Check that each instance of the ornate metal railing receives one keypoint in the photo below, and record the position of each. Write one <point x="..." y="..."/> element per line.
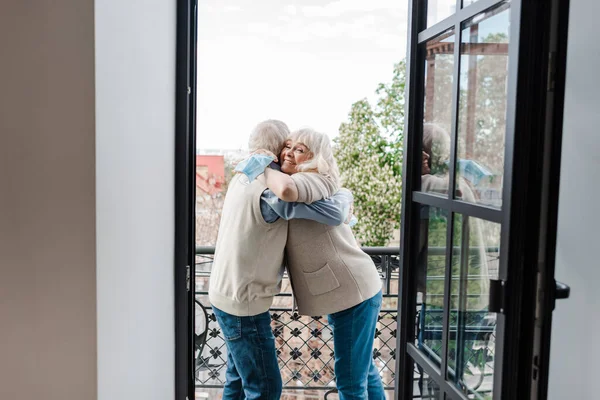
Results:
<point x="305" y="344"/>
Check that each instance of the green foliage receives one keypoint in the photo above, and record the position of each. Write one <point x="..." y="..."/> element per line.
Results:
<point x="498" y="37"/>
<point x="369" y="154"/>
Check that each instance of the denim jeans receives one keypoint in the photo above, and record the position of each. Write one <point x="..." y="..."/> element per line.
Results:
<point x="252" y="369"/>
<point x="357" y="376"/>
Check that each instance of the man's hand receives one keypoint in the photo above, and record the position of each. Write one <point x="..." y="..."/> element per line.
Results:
<point x="255" y="164"/>
<point x="350" y="214"/>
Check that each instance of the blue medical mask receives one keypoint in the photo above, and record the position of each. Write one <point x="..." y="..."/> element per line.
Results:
<point x="254" y="165"/>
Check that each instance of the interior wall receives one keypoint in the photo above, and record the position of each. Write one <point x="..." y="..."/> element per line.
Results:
<point x="575" y="348"/>
<point x="135" y="149"/>
<point x="47" y="201"/>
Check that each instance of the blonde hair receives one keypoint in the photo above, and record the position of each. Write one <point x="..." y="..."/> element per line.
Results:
<point x="269" y="135"/>
<point x="319" y="146"/>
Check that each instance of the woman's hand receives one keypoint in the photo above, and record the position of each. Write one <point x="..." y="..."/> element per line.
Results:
<point x="265" y="152"/>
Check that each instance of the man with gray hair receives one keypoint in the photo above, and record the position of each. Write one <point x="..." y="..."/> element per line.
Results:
<point x="248" y="268"/>
<point x="269" y="135"/>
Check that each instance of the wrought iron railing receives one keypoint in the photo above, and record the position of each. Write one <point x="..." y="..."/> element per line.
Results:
<point x="305" y="344"/>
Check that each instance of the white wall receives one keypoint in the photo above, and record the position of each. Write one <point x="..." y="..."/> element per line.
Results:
<point x="135" y="108"/>
<point x="47" y="212"/>
<point x="575" y="353"/>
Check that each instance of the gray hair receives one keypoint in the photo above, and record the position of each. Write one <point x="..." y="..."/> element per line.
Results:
<point x="269" y="135"/>
<point x="436" y="143"/>
<point x="319" y="146"/>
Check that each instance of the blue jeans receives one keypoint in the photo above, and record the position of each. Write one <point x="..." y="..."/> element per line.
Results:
<point x="357" y="377"/>
<point x="252" y="369"/>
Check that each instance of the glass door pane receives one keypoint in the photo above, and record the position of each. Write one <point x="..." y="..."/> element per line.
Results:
<point x="482" y="107"/>
<point x="472" y="330"/>
<point x="431" y="270"/>
<point x="437" y="113"/>
<point x="438" y="10"/>
<point x="424" y="386"/>
<point x="466" y="3"/>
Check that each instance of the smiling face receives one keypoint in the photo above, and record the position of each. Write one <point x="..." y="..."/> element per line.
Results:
<point x="292" y="155"/>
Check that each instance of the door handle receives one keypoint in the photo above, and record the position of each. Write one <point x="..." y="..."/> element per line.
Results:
<point x="561" y="291"/>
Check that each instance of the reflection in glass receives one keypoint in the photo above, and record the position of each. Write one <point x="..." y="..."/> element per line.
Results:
<point x="437" y="10"/>
<point x="468" y="2"/>
<point x="424" y="386"/>
<point x="482" y="107"/>
<point x="472" y="333"/>
<point x="437" y="113"/>
<point x="431" y="267"/>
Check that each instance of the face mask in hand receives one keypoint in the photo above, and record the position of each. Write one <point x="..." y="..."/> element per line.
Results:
<point x="254" y="165"/>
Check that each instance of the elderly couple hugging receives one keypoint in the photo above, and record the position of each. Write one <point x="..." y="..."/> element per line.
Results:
<point x="294" y="208"/>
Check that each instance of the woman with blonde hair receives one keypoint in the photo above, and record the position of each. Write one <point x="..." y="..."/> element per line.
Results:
<point x="330" y="274"/>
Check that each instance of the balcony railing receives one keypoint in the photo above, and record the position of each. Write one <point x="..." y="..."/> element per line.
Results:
<point x="305" y="344"/>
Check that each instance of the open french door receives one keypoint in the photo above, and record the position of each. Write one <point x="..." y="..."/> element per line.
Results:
<point x="480" y="190"/>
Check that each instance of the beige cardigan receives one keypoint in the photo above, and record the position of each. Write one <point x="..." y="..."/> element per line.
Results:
<point x="328" y="270"/>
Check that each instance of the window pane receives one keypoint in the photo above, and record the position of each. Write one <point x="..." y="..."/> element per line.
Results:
<point x="471" y="343"/>
<point x="424" y="387"/>
<point x="437" y="10"/>
<point x="437" y="113"/>
<point x="482" y="107"/>
<point x="468" y="2"/>
<point x="431" y="270"/>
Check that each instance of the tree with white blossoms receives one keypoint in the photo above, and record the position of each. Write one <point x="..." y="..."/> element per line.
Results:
<point x="369" y="154"/>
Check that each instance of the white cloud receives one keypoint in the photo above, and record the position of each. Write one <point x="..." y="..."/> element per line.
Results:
<point x="260" y="27"/>
<point x="277" y="63"/>
<point x="206" y="7"/>
<point x="322" y="34"/>
<point x="232" y="8"/>
<point x="364" y="27"/>
<point x="339" y="7"/>
<point x="391" y="42"/>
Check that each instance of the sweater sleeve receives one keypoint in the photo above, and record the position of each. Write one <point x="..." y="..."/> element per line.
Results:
<point x="313" y="186"/>
<point x="434" y="183"/>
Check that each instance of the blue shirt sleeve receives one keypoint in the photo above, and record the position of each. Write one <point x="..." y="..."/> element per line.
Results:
<point x="268" y="214"/>
<point x="332" y="211"/>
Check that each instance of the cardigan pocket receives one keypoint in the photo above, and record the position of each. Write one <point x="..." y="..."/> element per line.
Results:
<point x="321" y="281"/>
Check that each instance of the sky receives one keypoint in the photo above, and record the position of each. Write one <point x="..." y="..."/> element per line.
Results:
<point x="304" y="62"/>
